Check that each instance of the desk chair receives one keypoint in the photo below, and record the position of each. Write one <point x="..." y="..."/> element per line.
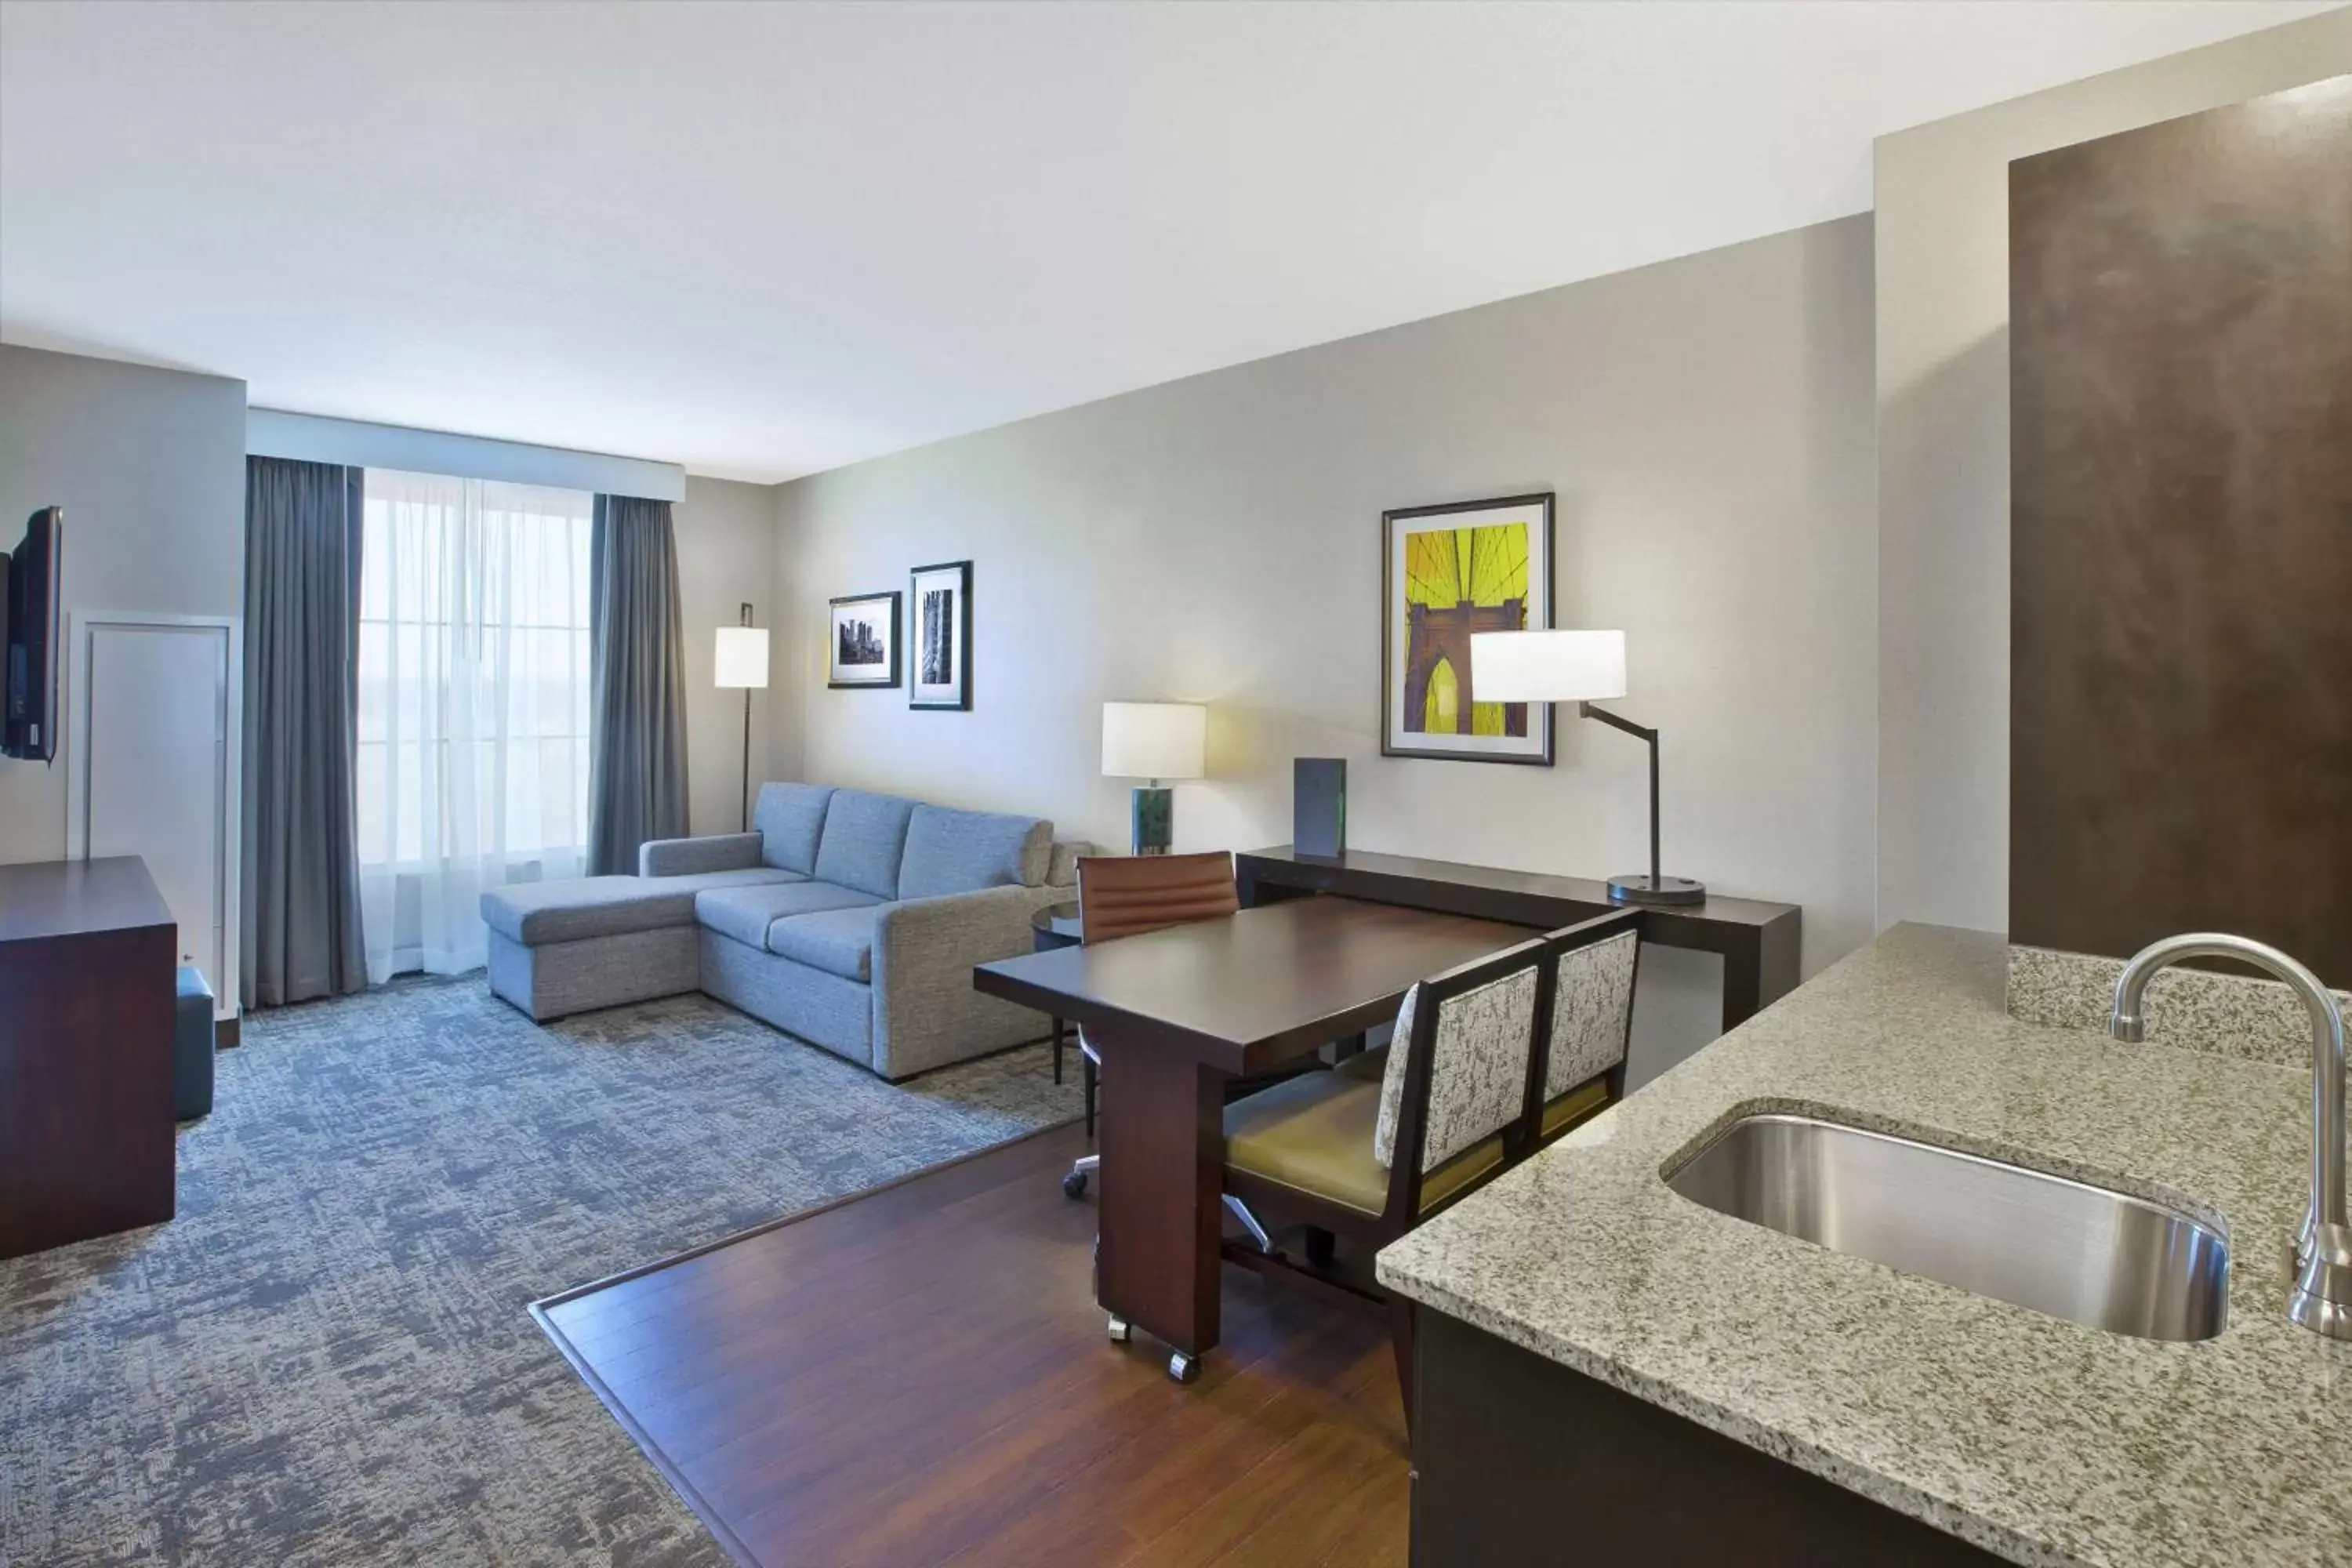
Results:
<point x="1125" y="896"/>
<point x="1462" y="1092"/>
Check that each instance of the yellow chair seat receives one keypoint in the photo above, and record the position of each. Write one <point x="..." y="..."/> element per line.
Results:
<point x="1313" y="1134"/>
<point x="1574" y="1106"/>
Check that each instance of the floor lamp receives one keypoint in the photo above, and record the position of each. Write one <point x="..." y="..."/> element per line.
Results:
<point x="1582" y="667"/>
<point x="740" y="661"/>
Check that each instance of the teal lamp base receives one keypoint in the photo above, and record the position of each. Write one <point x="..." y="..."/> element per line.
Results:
<point x="1154" y="818"/>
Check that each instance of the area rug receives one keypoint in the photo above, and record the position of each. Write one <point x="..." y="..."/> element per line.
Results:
<point x="328" y="1358"/>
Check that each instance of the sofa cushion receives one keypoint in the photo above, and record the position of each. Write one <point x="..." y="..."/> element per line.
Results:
<point x="839" y="941"/>
<point x="788" y="818"/>
<point x="536" y="913"/>
<point x="746" y="913"/>
<point x="704" y="881"/>
<point x="964" y="851"/>
<point x="864" y="837"/>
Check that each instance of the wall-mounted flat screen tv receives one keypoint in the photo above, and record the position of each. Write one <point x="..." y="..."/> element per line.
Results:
<point x="29" y="644"/>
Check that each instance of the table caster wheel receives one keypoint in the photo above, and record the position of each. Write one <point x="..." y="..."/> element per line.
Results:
<point x="1121" y="1330"/>
<point x="1184" y="1368"/>
<point x="1073" y="1185"/>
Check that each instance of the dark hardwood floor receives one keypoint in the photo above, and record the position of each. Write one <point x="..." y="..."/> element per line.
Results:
<point x="920" y="1376"/>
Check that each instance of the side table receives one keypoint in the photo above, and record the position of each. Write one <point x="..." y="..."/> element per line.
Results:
<point x="1054" y="926"/>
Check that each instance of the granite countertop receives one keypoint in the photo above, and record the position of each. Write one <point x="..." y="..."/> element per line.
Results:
<point x="2039" y="1439"/>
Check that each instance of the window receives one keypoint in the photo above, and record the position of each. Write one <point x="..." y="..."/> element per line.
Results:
<point x="473" y="701"/>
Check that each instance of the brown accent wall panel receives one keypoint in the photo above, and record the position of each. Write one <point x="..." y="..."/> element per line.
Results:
<point x="2181" y="533"/>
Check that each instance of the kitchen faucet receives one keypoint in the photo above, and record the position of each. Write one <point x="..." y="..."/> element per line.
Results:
<point x="2321" y="1297"/>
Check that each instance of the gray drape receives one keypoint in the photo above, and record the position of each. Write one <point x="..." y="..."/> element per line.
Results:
<point x="636" y="715"/>
<point x="300" y="891"/>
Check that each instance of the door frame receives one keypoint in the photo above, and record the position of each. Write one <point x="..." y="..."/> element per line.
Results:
<point x="82" y="626"/>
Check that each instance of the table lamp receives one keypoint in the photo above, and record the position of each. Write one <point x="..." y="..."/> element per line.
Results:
<point x="1582" y="667"/>
<point x="740" y="661"/>
<point x="1154" y="741"/>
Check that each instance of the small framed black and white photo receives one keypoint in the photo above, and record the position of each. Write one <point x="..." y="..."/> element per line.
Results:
<point x="940" y="599"/>
<point x="865" y="651"/>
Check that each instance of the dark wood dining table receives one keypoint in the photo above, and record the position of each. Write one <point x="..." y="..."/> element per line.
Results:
<point x="1178" y="1013"/>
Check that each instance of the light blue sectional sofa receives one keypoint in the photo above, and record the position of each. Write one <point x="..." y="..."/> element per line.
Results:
<point x="847" y="919"/>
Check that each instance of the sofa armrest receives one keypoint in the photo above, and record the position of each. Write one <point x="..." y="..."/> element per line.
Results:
<point x="1062" y="866"/>
<point x="685" y="856"/>
<point x="926" y="1013"/>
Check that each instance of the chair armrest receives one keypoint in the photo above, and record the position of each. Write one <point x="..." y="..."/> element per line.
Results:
<point x="685" y="857"/>
<point x="924" y="951"/>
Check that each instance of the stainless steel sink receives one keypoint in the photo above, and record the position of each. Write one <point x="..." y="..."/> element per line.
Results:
<point x="2094" y="1257"/>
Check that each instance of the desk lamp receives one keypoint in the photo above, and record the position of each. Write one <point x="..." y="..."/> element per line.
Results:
<point x="1582" y="667"/>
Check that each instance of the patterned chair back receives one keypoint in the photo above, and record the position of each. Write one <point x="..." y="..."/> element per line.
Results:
<point x="1591" y="999"/>
<point x="1126" y="895"/>
<point x="1457" y="1070"/>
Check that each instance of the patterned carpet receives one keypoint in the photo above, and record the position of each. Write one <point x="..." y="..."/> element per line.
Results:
<point x="326" y="1358"/>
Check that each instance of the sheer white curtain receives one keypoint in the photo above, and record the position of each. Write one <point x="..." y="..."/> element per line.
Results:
<point x="473" y="710"/>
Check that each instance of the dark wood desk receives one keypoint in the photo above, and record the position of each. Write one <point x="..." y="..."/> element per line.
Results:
<point x="1177" y="1012"/>
<point x="1758" y="941"/>
<point x="87" y="954"/>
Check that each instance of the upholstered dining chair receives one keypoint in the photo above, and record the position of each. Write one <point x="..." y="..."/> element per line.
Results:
<point x="1592" y="1018"/>
<point x="1123" y="895"/>
<point x="1461" y="1093"/>
<point x="1591" y="1026"/>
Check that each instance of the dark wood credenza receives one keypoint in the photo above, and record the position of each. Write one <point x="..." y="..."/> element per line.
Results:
<point x="1758" y="940"/>
<point x="87" y="954"/>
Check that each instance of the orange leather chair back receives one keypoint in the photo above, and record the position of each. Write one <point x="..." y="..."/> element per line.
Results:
<point x="1122" y="894"/>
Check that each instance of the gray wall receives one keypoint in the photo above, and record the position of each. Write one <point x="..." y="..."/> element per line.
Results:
<point x="1943" y="447"/>
<point x="150" y="468"/>
<point x="1706" y="422"/>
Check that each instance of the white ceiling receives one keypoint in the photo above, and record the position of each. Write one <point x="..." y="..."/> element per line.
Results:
<point x="765" y="239"/>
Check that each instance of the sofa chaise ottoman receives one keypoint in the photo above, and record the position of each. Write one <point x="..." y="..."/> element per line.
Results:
<point x="847" y="919"/>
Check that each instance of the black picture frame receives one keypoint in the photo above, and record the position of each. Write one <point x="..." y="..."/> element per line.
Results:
<point x="883" y="612"/>
<point x="953" y="696"/>
<point x="1539" y="750"/>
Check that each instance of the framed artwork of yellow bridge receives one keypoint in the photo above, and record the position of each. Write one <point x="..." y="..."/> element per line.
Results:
<point x="1447" y="572"/>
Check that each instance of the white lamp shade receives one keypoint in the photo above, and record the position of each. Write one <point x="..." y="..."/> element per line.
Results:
<point x="741" y="658"/>
<point x="1154" y="740"/>
<point x="1546" y="667"/>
